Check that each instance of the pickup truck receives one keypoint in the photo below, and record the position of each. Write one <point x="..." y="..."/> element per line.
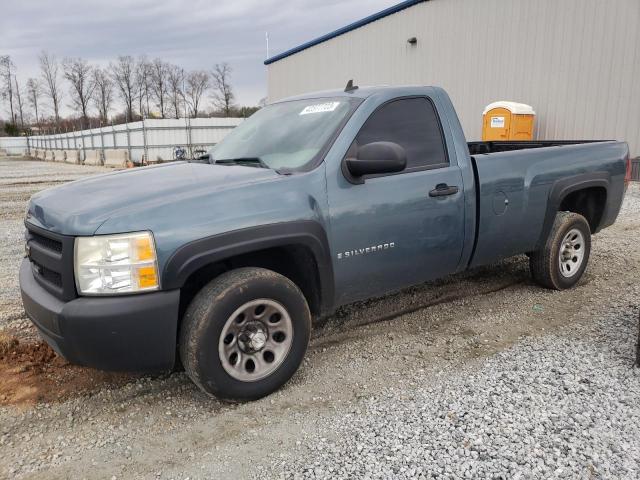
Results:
<point x="313" y="202"/>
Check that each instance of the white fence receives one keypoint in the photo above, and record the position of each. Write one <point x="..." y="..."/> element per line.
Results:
<point x="150" y="140"/>
<point x="13" y="145"/>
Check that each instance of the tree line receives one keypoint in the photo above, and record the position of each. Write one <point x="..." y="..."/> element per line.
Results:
<point x="146" y="89"/>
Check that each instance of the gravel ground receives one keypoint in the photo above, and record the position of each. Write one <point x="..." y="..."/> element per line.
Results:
<point x="481" y="375"/>
<point x="555" y="407"/>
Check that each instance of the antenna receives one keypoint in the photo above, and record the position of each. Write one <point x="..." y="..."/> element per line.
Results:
<point x="350" y="86"/>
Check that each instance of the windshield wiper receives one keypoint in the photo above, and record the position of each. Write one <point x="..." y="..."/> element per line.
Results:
<point x="246" y="161"/>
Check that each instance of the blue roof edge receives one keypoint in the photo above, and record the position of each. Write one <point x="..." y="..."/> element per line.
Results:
<point x="352" y="26"/>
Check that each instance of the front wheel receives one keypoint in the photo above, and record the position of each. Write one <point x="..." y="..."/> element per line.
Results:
<point x="245" y="334"/>
<point x="562" y="260"/>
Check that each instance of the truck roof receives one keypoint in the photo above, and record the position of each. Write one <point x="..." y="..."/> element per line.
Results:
<point x="360" y="92"/>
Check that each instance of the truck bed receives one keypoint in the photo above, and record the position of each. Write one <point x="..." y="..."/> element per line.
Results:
<point x="514" y="184"/>
<point x="478" y="148"/>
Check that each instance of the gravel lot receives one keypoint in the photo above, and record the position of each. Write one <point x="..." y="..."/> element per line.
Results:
<point x="482" y="375"/>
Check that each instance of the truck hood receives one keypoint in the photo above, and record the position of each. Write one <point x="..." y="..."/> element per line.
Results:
<point x="80" y="207"/>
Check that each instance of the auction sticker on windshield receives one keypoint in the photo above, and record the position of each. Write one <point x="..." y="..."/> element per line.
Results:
<point x="320" y="107"/>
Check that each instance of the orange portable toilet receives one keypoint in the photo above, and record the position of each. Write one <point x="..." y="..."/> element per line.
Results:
<point x="507" y="121"/>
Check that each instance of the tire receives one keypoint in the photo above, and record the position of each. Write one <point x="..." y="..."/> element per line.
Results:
<point x="257" y="315"/>
<point x="563" y="259"/>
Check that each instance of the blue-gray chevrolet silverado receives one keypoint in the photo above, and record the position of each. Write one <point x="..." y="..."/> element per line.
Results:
<point x="314" y="202"/>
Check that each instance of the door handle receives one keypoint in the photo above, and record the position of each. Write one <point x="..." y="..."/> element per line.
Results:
<point x="443" y="189"/>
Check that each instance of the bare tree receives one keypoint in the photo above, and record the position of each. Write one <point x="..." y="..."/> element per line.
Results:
<point x="223" y="96"/>
<point x="34" y="91"/>
<point x="123" y="74"/>
<point x="19" y="102"/>
<point x="6" y="73"/>
<point x="175" y="79"/>
<point x="49" y="68"/>
<point x="143" y="82"/>
<point x="197" y="85"/>
<point x="103" y="93"/>
<point x="159" y="83"/>
<point x="79" y="74"/>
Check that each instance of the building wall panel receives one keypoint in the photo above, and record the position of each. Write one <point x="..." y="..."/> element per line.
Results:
<point x="576" y="61"/>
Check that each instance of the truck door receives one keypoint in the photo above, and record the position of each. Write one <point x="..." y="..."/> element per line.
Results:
<point x="401" y="229"/>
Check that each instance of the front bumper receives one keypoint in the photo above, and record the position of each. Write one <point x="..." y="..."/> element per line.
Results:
<point x="125" y="333"/>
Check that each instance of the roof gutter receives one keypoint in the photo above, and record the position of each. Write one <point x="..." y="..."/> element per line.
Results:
<point x="352" y="26"/>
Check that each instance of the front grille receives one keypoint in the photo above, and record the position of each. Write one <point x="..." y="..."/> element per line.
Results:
<point x="47" y="275"/>
<point x="47" y="243"/>
<point x="51" y="257"/>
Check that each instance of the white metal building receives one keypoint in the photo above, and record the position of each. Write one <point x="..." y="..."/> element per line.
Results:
<point x="577" y="62"/>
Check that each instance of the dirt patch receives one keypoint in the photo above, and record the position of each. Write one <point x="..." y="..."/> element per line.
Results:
<point x="32" y="373"/>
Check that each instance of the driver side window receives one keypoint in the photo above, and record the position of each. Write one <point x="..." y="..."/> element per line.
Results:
<point x="413" y="124"/>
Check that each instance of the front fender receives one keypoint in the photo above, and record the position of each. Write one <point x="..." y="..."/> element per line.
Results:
<point x="189" y="258"/>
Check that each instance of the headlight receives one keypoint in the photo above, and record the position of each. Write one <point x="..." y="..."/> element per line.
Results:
<point x="114" y="264"/>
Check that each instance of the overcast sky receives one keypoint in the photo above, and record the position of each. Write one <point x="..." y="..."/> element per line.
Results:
<point x="194" y="34"/>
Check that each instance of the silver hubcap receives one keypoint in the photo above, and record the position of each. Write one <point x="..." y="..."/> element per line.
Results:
<point x="571" y="253"/>
<point x="255" y="340"/>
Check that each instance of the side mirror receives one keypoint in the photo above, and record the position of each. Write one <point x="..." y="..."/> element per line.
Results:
<point x="375" y="158"/>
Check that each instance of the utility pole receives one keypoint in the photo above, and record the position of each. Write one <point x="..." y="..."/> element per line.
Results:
<point x="187" y="120"/>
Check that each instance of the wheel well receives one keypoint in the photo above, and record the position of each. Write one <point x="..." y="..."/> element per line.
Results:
<point x="589" y="202"/>
<point x="296" y="262"/>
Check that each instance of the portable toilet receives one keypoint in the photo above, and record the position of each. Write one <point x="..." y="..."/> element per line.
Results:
<point x="507" y="121"/>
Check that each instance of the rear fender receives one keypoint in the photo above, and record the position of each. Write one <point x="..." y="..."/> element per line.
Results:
<point x="564" y="187"/>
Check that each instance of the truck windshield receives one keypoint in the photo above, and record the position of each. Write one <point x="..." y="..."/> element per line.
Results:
<point x="285" y="136"/>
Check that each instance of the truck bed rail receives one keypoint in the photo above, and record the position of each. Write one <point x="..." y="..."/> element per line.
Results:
<point x="478" y="148"/>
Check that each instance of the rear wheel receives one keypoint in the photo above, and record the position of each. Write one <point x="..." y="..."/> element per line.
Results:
<point x="560" y="263"/>
<point x="245" y="334"/>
